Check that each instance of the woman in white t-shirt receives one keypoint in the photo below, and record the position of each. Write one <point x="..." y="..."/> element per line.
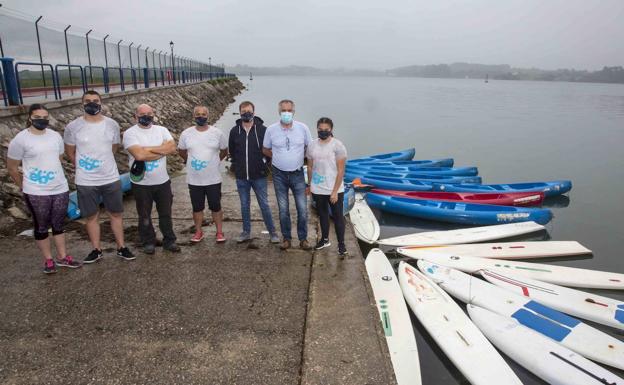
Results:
<point x="39" y="150"/>
<point x="326" y="167"/>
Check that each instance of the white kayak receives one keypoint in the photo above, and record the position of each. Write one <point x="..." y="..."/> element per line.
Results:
<point x="364" y="222"/>
<point x="603" y="310"/>
<point x="395" y="318"/>
<point x="569" y="332"/>
<point x="510" y="250"/>
<point x="452" y="330"/>
<point x="469" y="235"/>
<point x="559" y="275"/>
<point x="546" y="359"/>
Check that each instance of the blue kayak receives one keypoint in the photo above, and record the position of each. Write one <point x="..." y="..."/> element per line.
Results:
<point x="550" y="189"/>
<point x="396" y="184"/>
<point x="455" y="171"/>
<point x="399" y="155"/>
<point x="73" y="212"/>
<point x="456" y="212"/>
<point x="351" y="175"/>
<point x="442" y="162"/>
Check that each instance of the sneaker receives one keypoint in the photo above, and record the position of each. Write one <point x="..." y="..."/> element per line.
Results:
<point x="342" y="250"/>
<point x="220" y="238"/>
<point x="49" y="266"/>
<point x="68" y="261"/>
<point x="149" y="248"/>
<point x="323" y="243"/>
<point x="285" y="244"/>
<point x="199" y="235"/>
<point x="173" y="247"/>
<point x="94" y="256"/>
<point x="305" y="245"/>
<point x="243" y="237"/>
<point x="125" y="254"/>
<point x="275" y="239"/>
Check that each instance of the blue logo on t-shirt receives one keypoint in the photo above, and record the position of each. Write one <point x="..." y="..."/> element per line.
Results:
<point x="39" y="176"/>
<point x="88" y="164"/>
<point x="317" y="178"/>
<point x="198" y="164"/>
<point x="151" y="165"/>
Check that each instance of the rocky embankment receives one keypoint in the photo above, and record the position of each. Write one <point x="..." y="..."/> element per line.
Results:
<point x="173" y="107"/>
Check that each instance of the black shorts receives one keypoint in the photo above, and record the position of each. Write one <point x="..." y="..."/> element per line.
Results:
<point x="199" y="195"/>
<point x="90" y="197"/>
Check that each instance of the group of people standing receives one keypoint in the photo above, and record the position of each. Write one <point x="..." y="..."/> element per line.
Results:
<point x="256" y="151"/>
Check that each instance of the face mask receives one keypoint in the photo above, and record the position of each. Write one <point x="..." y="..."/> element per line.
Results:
<point x="92" y="108"/>
<point x="145" y="120"/>
<point x="324" y="134"/>
<point x="201" y="121"/>
<point x="247" y="116"/>
<point x="40" y="124"/>
<point x="286" y="117"/>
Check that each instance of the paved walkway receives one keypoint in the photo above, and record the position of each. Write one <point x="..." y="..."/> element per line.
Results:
<point x="213" y="314"/>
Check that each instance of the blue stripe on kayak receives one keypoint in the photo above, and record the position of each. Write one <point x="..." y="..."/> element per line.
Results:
<point x="552" y="314"/>
<point x="541" y="325"/>
<point x="621" y="306"/>
<point x="619" y="316"/>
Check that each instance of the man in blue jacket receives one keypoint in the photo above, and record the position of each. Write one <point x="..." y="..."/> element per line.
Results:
<point x="250" y="167"/>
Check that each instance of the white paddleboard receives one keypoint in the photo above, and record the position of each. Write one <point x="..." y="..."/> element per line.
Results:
<point x="578" y="303"/>
<point x="567" y="331"/>
<point x="469" y="235"/>
<point x="510" y="250"/>
<point x="546" y="359"/>
<point x="559" y="275"/>
<point x="364" y="222"/>
<point x="452" y="330"/>
<point x="395" y="318"/>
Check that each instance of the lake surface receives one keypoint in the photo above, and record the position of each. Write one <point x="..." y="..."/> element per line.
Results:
<point x="512" y="130"/>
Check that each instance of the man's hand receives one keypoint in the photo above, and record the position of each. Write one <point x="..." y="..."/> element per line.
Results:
<point x="333" y="198"/>
<point x="307" y="191"/>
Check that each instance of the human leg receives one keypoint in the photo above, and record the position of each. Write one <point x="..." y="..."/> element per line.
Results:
<point x="280" y="183"/>
<point x="298" y="188"/>
<point x="262" y="196"/>
<point x="243" y="186"/>
<point x="163" y="196"/>
<point x="339" y="221"/>
<point x="144" y="200"/>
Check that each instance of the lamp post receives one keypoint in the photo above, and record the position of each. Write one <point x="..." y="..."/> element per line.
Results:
<point x="40" y="55"/>
<point x="105" y="55"/>
<point x="172" y="62"/>
<point x="130" y="52"/>
<point x="71" y="86"/>
<point x="89" y="55"/>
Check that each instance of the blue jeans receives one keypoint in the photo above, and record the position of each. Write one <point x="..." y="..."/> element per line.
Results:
<point x="282" y="181"/>
<point x="259" y="186"/>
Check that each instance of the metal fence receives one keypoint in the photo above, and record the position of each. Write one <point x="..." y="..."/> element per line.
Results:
<point x="45" y="60"/>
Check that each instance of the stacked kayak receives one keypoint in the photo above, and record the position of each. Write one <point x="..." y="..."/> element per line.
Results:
<point x="550" y="189"/>
<point x="396" y="178"/>
<point x="442" y="162"/>
<point x="391" y="156"/>
<point x="502" y="199"/>
<point x="376" y="167"/>
<point x="73" y="212"/>
<point x="457" y="212"/>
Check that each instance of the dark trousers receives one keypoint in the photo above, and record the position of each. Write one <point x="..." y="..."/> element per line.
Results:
<point x="322" y="207"/>
<point x="145" y="197"/>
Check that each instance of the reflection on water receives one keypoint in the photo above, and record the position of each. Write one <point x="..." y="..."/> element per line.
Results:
<point x="513" y="131"/>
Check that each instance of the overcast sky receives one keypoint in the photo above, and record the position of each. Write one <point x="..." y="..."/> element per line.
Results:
<point x="375" y="34"/>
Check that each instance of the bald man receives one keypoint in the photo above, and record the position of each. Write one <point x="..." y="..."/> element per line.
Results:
<point x="148" y="146"/>
<point x="203" y="147"/>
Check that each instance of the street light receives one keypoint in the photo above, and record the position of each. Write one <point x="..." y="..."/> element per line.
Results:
<point x="172" y="62"/>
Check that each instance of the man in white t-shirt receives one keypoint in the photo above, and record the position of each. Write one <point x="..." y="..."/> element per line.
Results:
<point x="148" y="146"/>
<point x="203" y="147"/>
<point x="90" y="144"/>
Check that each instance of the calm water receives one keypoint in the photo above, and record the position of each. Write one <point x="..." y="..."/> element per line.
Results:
<point x="513" y="131"/>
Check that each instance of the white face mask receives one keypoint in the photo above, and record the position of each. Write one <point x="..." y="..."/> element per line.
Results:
<point x="286" y="117"/>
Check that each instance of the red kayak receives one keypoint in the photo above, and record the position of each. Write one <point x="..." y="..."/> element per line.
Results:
<point x="531" y="198"/>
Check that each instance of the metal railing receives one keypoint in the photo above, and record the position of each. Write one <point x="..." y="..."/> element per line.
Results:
<point x="59" y="53"/>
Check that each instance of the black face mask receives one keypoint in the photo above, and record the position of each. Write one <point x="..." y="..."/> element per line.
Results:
<point x="145" y="120"/>
<point x="324" y="134"/>
<point x="40" y="124"/>
<point x="92" y="108"/>
<point x="247" y="116"/>
<point x="201" y="121"/>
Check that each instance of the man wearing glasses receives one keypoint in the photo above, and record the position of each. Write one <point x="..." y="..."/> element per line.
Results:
<point x="285" y="142"/>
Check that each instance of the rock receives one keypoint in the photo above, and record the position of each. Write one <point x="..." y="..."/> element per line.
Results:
<point x="7" y="225"/>
<point x="16" y="212"/>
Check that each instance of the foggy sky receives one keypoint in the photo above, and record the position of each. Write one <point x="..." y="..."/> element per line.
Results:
<point x="374" y="34"/>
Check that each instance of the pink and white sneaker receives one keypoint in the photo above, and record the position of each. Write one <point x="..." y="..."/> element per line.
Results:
<point x="199" y="235"/>
<point x="220" y="238"/>
<point x="68" y="261"/>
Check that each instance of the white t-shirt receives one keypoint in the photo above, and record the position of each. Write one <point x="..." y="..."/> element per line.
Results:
<point x="95" y="162"/>
<point x="202" y="165"/>
<point x="43" y="172"/>
<point x="324" y="169"/>
<point x="155" y="170"/>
